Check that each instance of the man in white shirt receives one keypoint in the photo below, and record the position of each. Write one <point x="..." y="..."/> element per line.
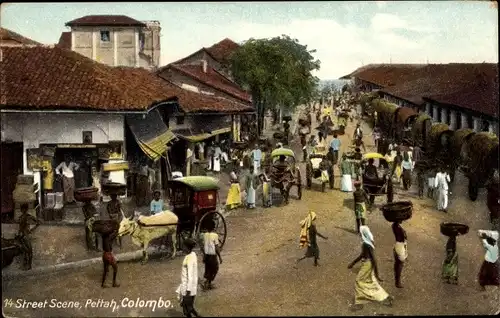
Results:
<point x="441" y="184"/>
<point x="211" y="255"/>
<point x="66" y="169"/>
<point x="189" y="280"/>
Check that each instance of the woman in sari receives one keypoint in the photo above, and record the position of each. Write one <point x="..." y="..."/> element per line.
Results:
<point x="234" y="195"/>
<point x="308" y="237"/>
<point x="398" y="160"/>
<point x="251" y="183"/>
<point x="450" y="264"/>
<point x="346" y="170"/>
<point x="266" y="190"/>
<point x="367" y="287"/>
<point x="489" y="275"/>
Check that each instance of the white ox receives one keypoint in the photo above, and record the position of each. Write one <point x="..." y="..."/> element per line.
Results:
<point x="143" y="230"/>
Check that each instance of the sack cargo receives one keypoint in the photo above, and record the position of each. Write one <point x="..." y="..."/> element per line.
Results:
<point x="25" y="179"/>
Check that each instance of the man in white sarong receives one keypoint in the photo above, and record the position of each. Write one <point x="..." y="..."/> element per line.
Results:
<point x="217" y="158"/>
<point x="441" y="184"/>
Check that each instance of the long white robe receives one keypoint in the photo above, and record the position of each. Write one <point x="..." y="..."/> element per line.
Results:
<point x="441" y="183"/>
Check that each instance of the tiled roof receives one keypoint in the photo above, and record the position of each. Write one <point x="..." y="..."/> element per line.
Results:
<point x="104" y="20"/>
<point x="222" y="50"/>
<point x="8" y="35"/>
<point x="54" y="78"/>
<point x="65" y="40"/>
<point x="467" y="85"/>
<point x="470" y="86"/>
<point x="212" y="78"/>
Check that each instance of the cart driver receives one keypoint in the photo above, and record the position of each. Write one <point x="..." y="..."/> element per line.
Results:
<point x="370" y="170"/>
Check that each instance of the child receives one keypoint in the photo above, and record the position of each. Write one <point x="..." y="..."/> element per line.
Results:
<point x="156" y="205"/>
<point x="266" y="190"/>
<point x="360" y="199"/>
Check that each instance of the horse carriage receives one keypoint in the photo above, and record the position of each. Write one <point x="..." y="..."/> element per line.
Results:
<point x="319" y="167"/>
<point x="374" y="185"/>
<point x="286" y="174"/>
<point x="195" y="209"/>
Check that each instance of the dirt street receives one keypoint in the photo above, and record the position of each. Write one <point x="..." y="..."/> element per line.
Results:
<point x="259" y="276"/>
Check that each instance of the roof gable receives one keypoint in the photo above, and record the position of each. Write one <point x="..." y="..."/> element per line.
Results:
<point x="65" y="40"/>
<point x="213" y="79"/>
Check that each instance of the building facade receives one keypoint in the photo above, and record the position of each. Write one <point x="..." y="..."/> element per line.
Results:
<point x="115" y="40"/>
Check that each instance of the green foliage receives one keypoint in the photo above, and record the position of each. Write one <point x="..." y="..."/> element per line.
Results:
<point x="277" y="71"/>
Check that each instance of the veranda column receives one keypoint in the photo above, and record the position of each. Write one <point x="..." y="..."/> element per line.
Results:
<point x="435" y="113"/>
<point x="464" y="121"/>
<point x="477" y="124"/>
<point x="428" y="108"/>
<point x="444" y="115"/>
<point x="453" y="120"/>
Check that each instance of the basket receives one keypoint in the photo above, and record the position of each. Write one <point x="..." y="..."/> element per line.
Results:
<point x="397" y="211"/>
<point x="114" y="188"/>
<point x="454" y="229"/>
<point x="105" y="226"/>
<point x="278" y="135"/>
<point x="86" y="194"/>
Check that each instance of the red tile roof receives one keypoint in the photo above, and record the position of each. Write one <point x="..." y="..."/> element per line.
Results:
<point x="104" y="20"/>
<point x="222" y="50"/>
<point x="65" y="40"/>
<point x="54" y="78"/>
<point x="8" y="35"/>
<point x="467" y="85"/>
<point x="213" y="79"/>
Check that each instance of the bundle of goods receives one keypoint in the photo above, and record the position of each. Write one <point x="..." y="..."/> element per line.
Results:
<point x="105" y="226"/>
<point x="86" y="194"/>
<point x="24" y="193"/>
<point x="111" y="188"/>
<point x="454" y="229"/>
<point x="397" y="211"/>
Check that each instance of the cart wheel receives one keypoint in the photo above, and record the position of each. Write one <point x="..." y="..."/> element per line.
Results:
<point x="220" y="226"/>
<point x="323" y="186"/>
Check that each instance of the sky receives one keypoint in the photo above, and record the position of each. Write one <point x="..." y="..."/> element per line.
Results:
<point x="346" y="35"/>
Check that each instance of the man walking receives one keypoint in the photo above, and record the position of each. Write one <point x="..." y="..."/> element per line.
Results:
<point x="189" y="280"/>
<point x="66" y="169"/>
<point x="441" y="184"/>
<point x="335" y="146"/>
<point x="211" y="255"/>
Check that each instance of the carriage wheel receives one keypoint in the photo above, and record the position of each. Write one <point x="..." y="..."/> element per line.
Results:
<point x="220" y="227"/>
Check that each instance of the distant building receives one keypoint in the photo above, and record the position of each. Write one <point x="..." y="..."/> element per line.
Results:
<point x="461" y="95"/>
<point x="115" y="40"/>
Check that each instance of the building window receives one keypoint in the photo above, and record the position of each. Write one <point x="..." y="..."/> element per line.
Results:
<point x="105" y="36"/>
<point x="180" y="120"/>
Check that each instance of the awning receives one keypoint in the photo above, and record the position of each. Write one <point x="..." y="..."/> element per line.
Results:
<point x="195" y="135"/>
<point x="151" y="133"/>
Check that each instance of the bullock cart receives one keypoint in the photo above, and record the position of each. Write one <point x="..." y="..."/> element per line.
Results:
<point x="385" y="115"/>
<point x="194" y="200"/>
<point x="285" y="174"/>
<point x="374" y="185"/>
<point x="319" y="167"/>
<point x="420" y="130"/>
<point x="482" y="161"/>
<point x="404" y="120"/>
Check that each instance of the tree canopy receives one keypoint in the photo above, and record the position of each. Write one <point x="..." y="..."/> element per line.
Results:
<point x="277" y="71"/>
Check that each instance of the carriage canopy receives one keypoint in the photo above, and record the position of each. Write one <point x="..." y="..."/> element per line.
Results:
<point x="282" y="152"/>
<point x="197" y="183"/>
